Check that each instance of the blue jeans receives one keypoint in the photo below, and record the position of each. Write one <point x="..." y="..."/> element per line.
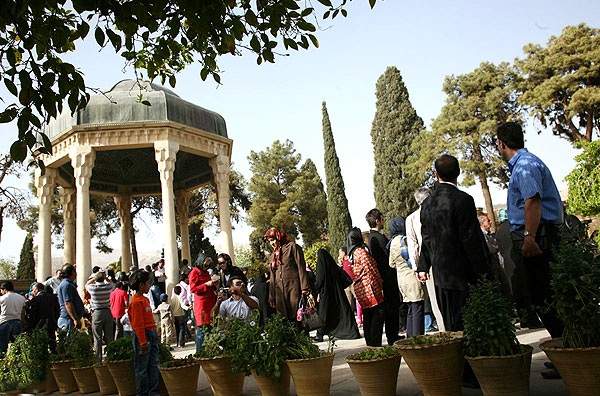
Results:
<point x="145" y="365"/>
<point x="200" y="333"/>
<point x="65" y="324"/>
<point x="8" y="331"/>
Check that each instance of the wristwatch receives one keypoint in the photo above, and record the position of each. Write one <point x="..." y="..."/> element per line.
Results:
<point x="527" y="233"/>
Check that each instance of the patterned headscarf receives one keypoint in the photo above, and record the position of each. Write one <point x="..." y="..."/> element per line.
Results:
<point x="280" y="239"/>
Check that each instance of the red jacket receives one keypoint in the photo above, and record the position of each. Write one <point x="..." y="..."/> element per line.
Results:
<point x="205" y="297"/>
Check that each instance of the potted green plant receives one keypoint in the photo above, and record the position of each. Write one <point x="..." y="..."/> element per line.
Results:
<point x="81" y="350"/>
<point x="376" y="370"/>
<point x="119" y="359"/>
<point x="309" y="367"/>
<point x="574" y="281"/>
<point x="180" y="375"/>
<point x="26" y="364"/>
<point x="164" y="356"/>
<point x="436" y="361"/>
<point x="106" y="384"/>
<point x="218" y="357"/>
<point x="62" y="362"/>
<point x="499" y="362"/>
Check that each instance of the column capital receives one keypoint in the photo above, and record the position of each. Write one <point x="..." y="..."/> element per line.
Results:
<point x="123" y="203"/>
<point x="220" y="166"/>
<point x="165" y="152"/>
<point x="82" y="160"/>
<point x="45" y="185"/>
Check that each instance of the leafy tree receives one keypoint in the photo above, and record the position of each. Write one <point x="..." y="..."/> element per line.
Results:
<point x="560" y="82"/>
<point x="310" y="203"/>
<point x="7" y="269"/>
<point x="338" y="215"/>
<point x="26" y="268"/>
<point x="158" y="38"/>
<point x="584" y="181"/>
<point x="476" y="103"/>
<point x="425" y="148"/>
<point x="199" y="242"/>
<point x="13" y="201"/>
<point x="395" y="125"/>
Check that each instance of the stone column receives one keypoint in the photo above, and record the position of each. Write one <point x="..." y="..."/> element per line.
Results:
<point x="123" y="203"/>
<point x="182" y="199"/>
<point x="220" y="168"/>
<point x="45" y="189"/>
<point x="82" y="160"/>
<point x="67" y="199"/>
<point x="166" y="153"/>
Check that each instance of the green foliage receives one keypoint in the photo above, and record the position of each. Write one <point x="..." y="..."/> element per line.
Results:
<point x="63" y="339"/>
<point x="164" y="353"/>
<point x="584" y="181"/>
<point x="26" y="361"/>
<point x="560" y="83"/>
<point x="425" y="148"/>
<point x="488" y="320"/>
<point x="7" y="269"/>
<point x="158" y="39"/>
<point x="574" y="282"/>
<point x="338" y="215"/>
<point x="476" y="103"/>
<point x="26" y="268"/>
<point x="310" y="253"/>
<point x="120" y="349"/>
<point x="395" y="125"/>
<point x="375" y="353"/>
<point x="430" y="339"/>
<point x="80" y="349"/>
<point x="180" y="362"/>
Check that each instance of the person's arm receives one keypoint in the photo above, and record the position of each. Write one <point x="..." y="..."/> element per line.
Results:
<point x="201" y="288"/>
<point x="412" y="241"/>
<point x="218" y="308"/>
<point x="533" y="216"/>
<point x="424" y="263"/>
<point x="250" y="302"/>
<point x="299" y="258"/>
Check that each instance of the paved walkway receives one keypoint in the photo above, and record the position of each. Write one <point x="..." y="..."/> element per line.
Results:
<point x="343" y="382"/>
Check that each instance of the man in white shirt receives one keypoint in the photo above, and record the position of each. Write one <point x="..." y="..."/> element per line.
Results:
<point x="414" y="241"/>
<point x="11" y="306"/>
<point x="239" y="305"/>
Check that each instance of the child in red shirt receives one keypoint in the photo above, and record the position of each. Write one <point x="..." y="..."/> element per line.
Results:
<point x="145" y="340"/>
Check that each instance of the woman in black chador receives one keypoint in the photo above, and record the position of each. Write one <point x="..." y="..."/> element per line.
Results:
<point x="334" y="310"/>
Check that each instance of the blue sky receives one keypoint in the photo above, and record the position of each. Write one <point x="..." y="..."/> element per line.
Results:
<point x="425" y="40"/>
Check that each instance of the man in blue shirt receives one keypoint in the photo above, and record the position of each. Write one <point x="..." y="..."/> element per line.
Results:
<point x="71" y="306"/>
<point x="535" y="212"/>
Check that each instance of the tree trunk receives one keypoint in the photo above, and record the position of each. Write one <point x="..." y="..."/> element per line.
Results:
<point x="489" y="205"/>
<point x="1" y="220"/>
<point x="589" y="127"/>
<point x="134" y="253"/>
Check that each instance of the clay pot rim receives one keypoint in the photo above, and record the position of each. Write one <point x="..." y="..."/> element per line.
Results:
<point x="353" y="361"/>
<point x="197" y="364"/>
<point x="83" y="368"/>
<point x="555" y="345"/>
<point x="404" y="344"/>
<point x="118" y="361"/>
<point x="323" y="355"/>
<point x="525" y="350"/>
<point x="62" y="361"/>
<point x="205" y="359"/>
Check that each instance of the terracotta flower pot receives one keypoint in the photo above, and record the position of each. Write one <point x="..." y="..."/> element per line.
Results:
<point x="105" y="380"/>
<point x="223" y="381"/>
<point x="312" y="377"/>
<point x="86" y="379"/>
<point x="63" y="375"/>
<point x="503" y="375"/>
<point x="579" y="367"/>
<point x="377" y="377"/>
<point x="123" y="375"/>
<point x="270" y="386"/>
<point x="437" y="367"/>
<point x="181" y="380"/>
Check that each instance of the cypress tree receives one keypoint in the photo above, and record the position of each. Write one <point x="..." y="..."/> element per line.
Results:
<point x="26" y="268"/>
<point x="395" y="125"/>
<point x="338" y="215"/>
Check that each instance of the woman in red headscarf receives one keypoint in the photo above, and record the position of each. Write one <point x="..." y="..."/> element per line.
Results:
<point x="288" y="274"/>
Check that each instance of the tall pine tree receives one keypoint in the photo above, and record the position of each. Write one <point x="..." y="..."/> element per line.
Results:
<point x="338" y="215"/>
<point x="26" y="268"/>
<point x="310" y="202"/>
<point x="395" y="125"/>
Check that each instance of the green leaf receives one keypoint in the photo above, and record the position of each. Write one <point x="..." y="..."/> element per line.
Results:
<point x="314" y="40"/>
<point x="146" y="103"/>
<point x="22" y="124"/>
<point x="217" y="78"/>
<point x="11" y="86"/>
<point x="204" y="73"/>
<point x="100" y="37"/>
<point x="255" y="44"/>
<point x="372" y="3"/>
<point x="325" y="2"/>
<point x="344" y="13"/>
<point x="18" y="151"/>
<point x="115" y="39"/>
<point x="172" y="81"/>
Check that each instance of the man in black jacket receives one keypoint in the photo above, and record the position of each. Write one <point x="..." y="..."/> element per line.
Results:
<point x="453" y="244"/>
<point x="42" y="312"/>
<point x="378" y="247"/>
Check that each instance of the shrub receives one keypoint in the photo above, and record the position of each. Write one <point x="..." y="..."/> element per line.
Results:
<point x="80" y="349"/>
<point x="26" y="361"/>
<point x="375" y="353"/>
<point x="120" y="349"/>
<point x="310" y="253"/>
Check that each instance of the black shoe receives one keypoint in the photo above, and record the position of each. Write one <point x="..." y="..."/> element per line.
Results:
<point x="471" y="384"/>
<point x="549" y="365"/>
<point x="550" y="374"/>
<point x="317" y="339"/>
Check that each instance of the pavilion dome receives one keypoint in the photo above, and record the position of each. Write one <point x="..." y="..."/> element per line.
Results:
<point x="120" y="105"/>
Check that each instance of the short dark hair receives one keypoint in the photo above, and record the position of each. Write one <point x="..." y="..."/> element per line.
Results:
<point x="67" y="270"/>
<point x="511" y="134"/>
<point x="39" y="287"/>
<point x="225" y="257"/>
<point x="163" y="297"/>
<point x="233" y="278"/>
<point x="95" y="269"/>
<point x="447" y="167"/>
<point x="137" y="278"/>
<point x="177" y="290"/>
<point x="7" y="285"/>
<point x="372" y="216"/>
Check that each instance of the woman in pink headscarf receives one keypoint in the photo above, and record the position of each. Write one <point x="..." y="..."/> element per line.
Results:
<point x="288" y="273"/>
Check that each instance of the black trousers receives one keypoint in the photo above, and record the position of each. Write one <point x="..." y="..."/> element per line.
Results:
<point x="451" y="303"/>
<point x="415" y="319"/>
<point x="180" y="327"/>
<point x="531" y="279"/>
<point x="373" y="319"/>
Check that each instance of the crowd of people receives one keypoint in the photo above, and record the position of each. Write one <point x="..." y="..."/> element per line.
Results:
<point x="415" y="279"/>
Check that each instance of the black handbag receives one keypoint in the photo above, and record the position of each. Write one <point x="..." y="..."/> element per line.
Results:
<point x="307" y="313"/>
